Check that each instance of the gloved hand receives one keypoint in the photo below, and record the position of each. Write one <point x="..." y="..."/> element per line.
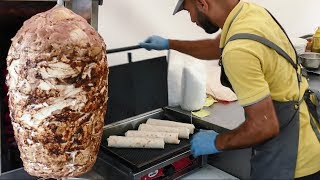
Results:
<point x="203" y="143"/>
<point x="156" y="43"/>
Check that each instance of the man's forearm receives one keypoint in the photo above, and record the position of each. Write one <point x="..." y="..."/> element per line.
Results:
<point x="261" y="124"/>
<point x="242" y="137"/>
<point x="207" y="49"/>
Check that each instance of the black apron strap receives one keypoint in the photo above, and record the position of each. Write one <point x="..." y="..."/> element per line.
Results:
<point x="283" y="31"/>
<point x="314" y="126"/>
<point x="314" y="110"/>
<point x="317" y="93"/>
<point x="265" y="42"/>
<point x="314" y="105"/>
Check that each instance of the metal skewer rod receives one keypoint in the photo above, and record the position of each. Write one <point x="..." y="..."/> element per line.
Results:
<point x="60" y="2"/>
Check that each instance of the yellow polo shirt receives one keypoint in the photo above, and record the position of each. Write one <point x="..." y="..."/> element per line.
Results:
<point x="255" y="72"/>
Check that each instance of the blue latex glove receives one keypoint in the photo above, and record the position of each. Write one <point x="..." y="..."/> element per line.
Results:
<point x="203" y="143"/>
<point x="155" y="43"/>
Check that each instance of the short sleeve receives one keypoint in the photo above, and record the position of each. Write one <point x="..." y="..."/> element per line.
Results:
<point x="246" y="76"/>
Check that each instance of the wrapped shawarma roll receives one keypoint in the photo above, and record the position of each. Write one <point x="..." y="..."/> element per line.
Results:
<point x="159" y="122"/>
<point x="135" y="142"/>
<point x="183" y="131"/>
<point x="170" y="138"/>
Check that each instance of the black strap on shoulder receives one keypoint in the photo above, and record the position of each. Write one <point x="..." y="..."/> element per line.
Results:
<point x="283" y="31"/>
<point x="271" y="45"/>
<point x="281" y="52"/>
<point x="314" y="126"/>
<point x="265" y="42"/>
<point x="314" y="110"/>
<point x="317" y="94"/>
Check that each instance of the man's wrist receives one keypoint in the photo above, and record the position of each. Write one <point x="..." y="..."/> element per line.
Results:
<point x="170" y="42"/>
<point x="218" y="143"/>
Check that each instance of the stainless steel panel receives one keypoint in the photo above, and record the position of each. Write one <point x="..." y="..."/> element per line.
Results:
<point x="95" y="14"/>
<point x="88" y="9"/>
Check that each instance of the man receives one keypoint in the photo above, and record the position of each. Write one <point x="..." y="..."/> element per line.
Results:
<point x="268" y="87"/>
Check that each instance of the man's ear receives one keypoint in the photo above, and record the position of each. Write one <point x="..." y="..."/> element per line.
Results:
<point x="202" y="5"/>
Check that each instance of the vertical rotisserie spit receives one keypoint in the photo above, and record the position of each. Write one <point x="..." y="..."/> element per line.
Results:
<point x="58" y="86"/>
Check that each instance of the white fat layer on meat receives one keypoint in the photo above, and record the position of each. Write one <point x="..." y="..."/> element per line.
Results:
<point x="58" y="70"/>
<point x="38" y="106"/>
<point x="71" y="91"/>
<point x="65" y="90"/>
<point x="26" y="117"/>
<point x="70" y="97"/>
<point x="59" y="104"/>
<point x="12" y="83"/>
<point x="17" y="96"/>
<point x="102" y="90"/>
<point x="45" y="86"/>
<point x="29" y="141"/>
<point x="45" y="112"/>
<point x="24" y="86"/>
<point x="73" y="157"/>
<point x="87" y="70"/>
<point x="79" y="36"/>
<point x="17" y="127"/>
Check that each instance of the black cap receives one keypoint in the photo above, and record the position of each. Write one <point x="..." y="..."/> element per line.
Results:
<point x="179" y="7"/>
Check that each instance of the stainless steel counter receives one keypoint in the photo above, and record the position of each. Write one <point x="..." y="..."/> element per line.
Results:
<point x="226" y="116"/>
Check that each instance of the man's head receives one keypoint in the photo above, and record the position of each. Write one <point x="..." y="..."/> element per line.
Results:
<point x="208" y="14"/>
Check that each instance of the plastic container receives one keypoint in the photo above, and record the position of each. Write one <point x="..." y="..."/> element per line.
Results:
<point x="299" y="44"/>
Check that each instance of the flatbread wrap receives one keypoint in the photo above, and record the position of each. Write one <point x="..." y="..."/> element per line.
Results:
<point x="170" y="138"/>
<point x="183" y="131"/>
<point x="135" y="142"/>
<point x="169" y="123"/>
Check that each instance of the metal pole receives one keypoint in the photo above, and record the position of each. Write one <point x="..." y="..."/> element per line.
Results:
<point x="60" y="2"/>
<point x="1" y="121"/>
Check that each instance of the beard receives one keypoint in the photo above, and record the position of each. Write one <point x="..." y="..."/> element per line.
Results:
<point x="206" y="24"/>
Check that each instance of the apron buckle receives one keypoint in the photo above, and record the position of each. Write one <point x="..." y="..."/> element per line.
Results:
<point x="299" y="78"/>
<point x="220" y="61"/>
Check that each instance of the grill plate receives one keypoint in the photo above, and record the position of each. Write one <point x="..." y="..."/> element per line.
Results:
<point x="139" y="159"/>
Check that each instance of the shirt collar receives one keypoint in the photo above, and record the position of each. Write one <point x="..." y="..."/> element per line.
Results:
<point x="229" y="21"/>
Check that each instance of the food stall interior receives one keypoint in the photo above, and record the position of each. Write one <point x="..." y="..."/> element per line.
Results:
<point x="137" y="91"/>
